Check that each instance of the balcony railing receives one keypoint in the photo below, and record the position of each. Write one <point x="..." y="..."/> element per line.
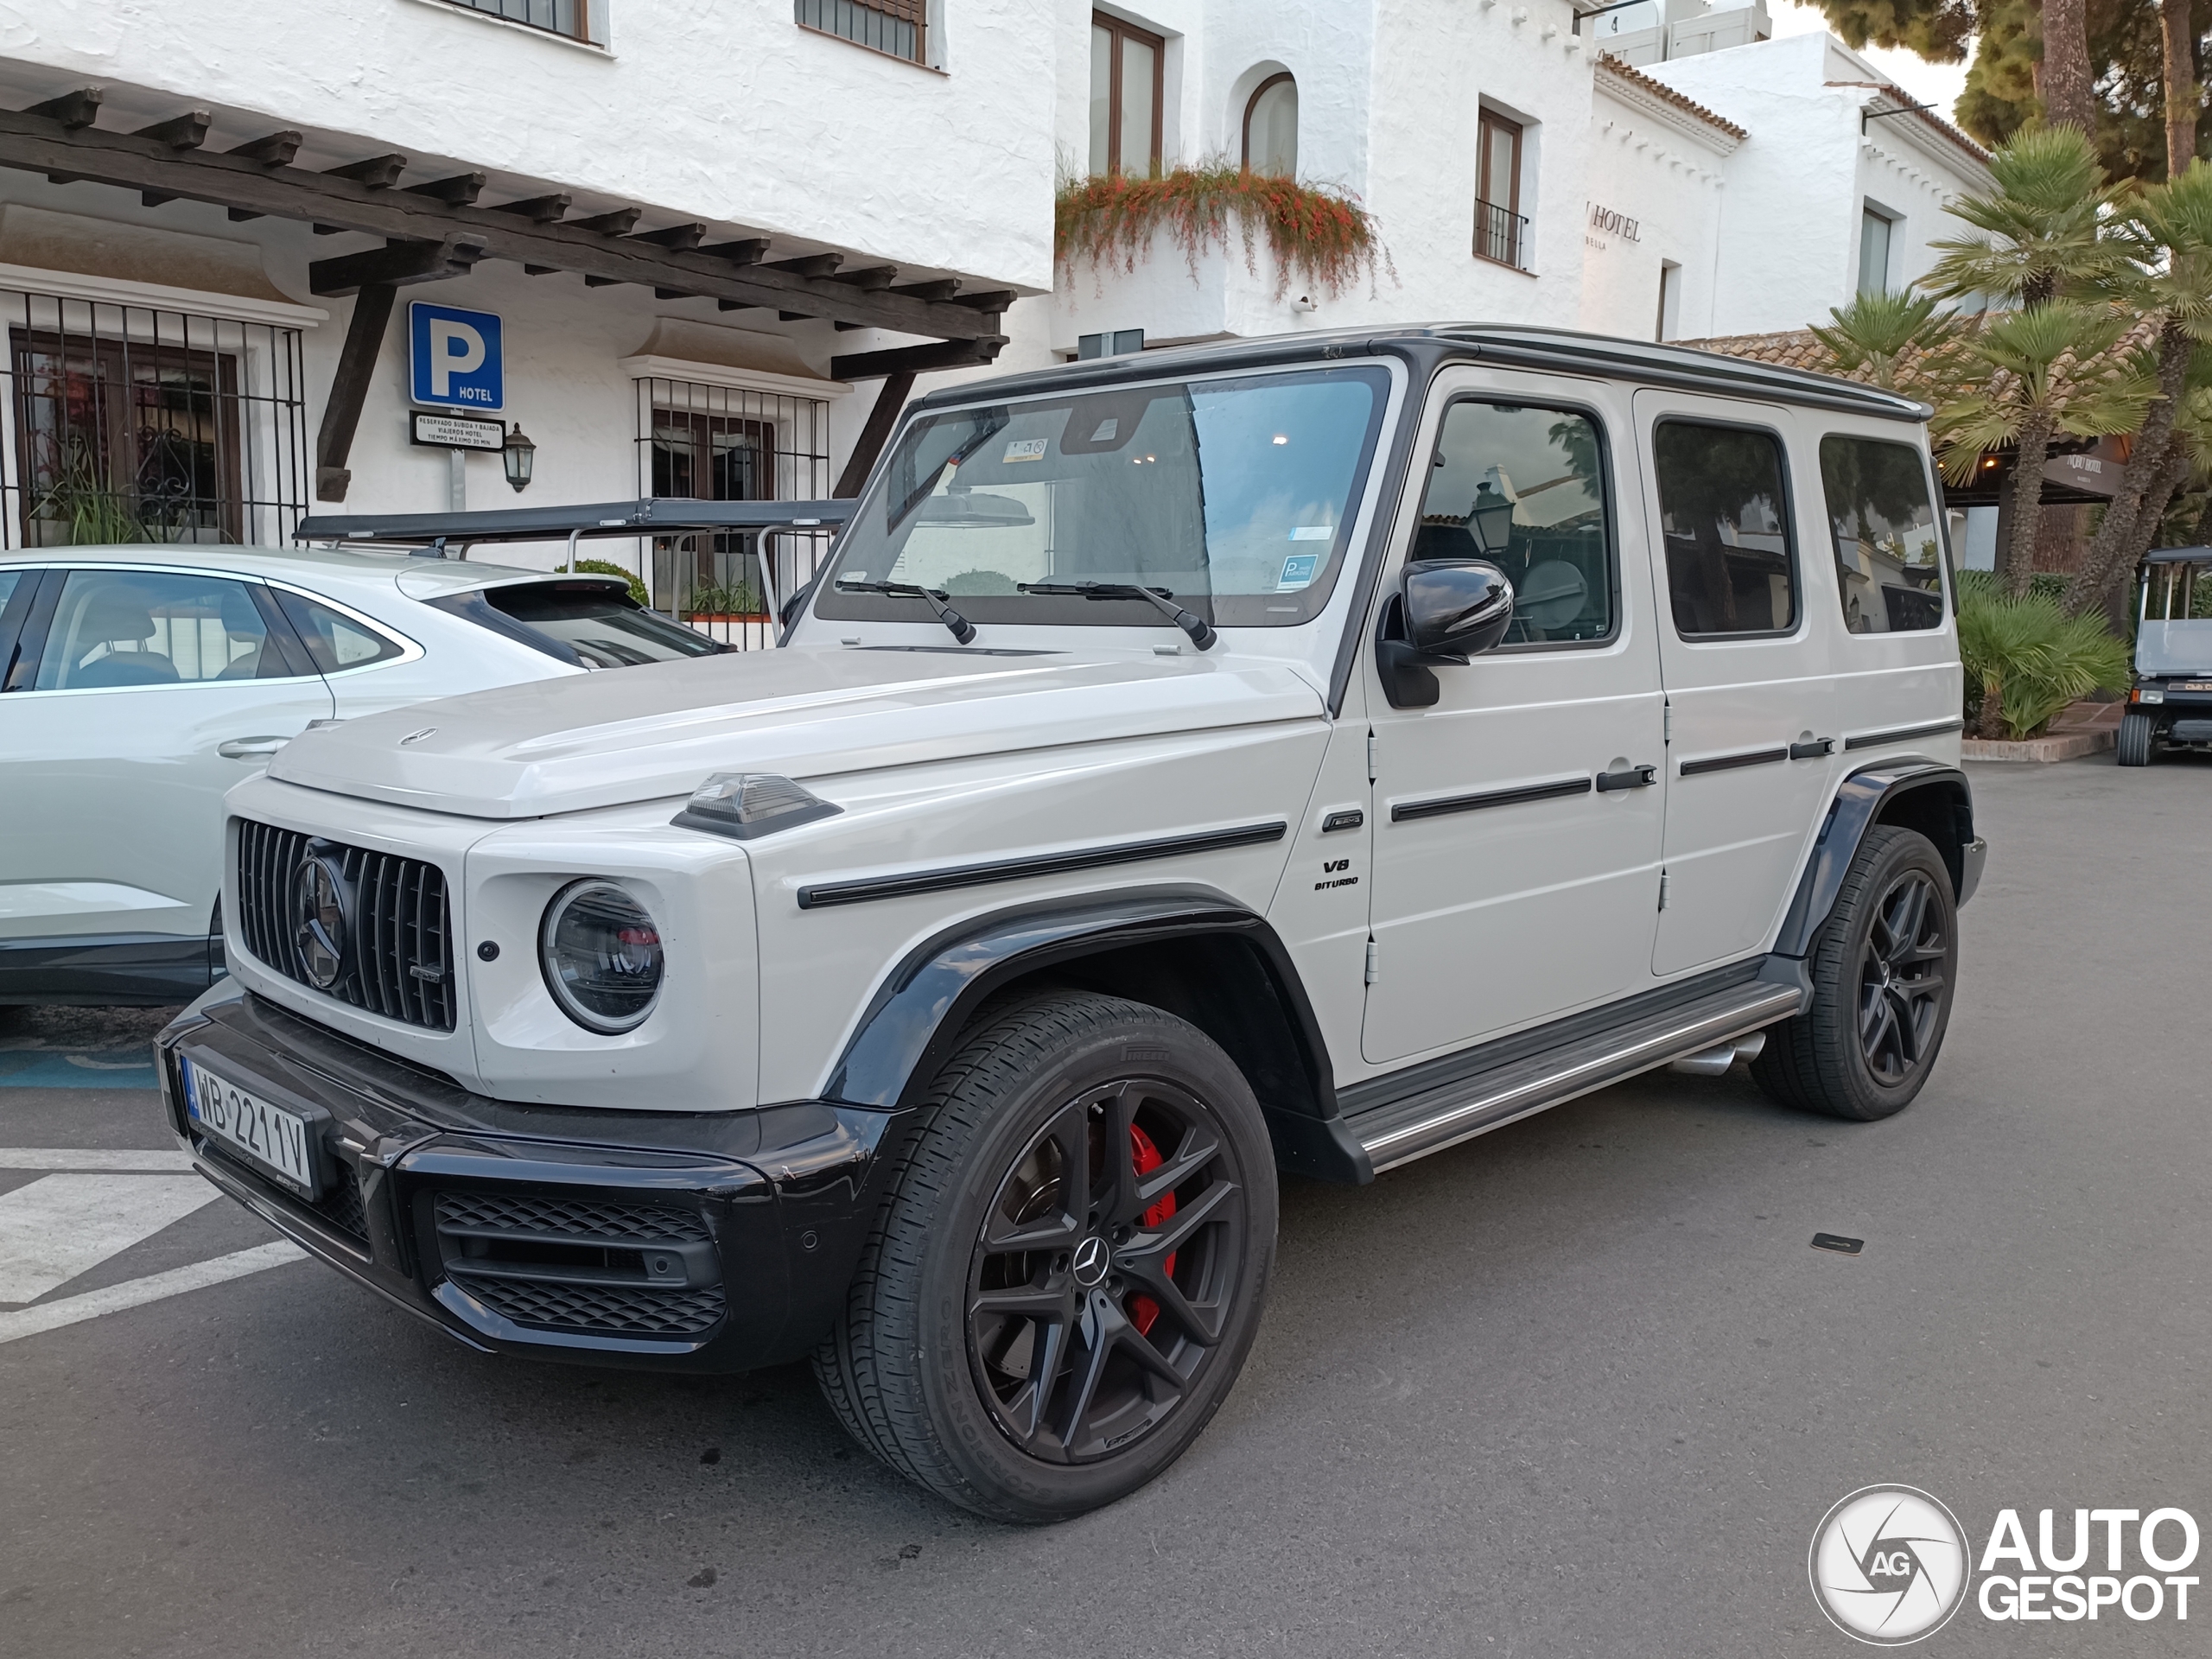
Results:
<point x="1500" y="235"/>
<point x="568" y="17"/>
<point x="897" y="26"/>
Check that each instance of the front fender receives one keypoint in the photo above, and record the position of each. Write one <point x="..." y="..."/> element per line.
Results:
<point x="1872" y="795"/>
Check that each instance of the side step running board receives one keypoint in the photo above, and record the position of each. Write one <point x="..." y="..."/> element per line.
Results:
<point x="1443" y="1116"/>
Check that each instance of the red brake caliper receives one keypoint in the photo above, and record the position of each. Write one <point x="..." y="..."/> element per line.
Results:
<point x="1142" y="1309"/>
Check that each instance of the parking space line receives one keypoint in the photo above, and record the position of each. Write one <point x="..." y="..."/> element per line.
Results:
<point x="60" y="1226"/>
<point x="117" y="1157"/>
<point x="75" y="1309"/>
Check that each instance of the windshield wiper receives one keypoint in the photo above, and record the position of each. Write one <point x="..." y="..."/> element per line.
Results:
<point x="962" y="629"/>
<point x="1161" y="598"/>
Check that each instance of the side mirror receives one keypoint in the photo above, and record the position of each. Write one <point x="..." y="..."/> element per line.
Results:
<point x="1445" y="611"/>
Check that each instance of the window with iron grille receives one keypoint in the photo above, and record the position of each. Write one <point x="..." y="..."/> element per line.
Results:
<point x="573" y="18"/>
<point x="724" y="443"/>
<point x="128" y="424"/>
<point x="1501" y="228"/>
<point x="899" y="27"/>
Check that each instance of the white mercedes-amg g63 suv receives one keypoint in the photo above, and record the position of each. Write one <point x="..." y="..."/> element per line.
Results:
<point x="1302" y="754"/>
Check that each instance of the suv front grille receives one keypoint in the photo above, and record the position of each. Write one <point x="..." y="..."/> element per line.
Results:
<point x="580" y="1264"/>
<point x="397" y="957"/>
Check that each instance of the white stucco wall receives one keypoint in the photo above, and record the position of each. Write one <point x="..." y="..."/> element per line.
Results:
<point x="1665" y="168"/>
<point x="724" y="110"/>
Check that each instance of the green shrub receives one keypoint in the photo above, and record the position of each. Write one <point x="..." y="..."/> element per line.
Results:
<point x="2026" y="659"/>
<point x="606" y="567"/>
<point x="734" y="598"/>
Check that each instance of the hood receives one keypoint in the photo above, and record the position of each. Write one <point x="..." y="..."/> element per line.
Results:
<point x="588" y="740"/>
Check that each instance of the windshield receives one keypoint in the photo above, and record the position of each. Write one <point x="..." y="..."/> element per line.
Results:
<point x="594" y="624"/>
<point x="1234" y="495"/>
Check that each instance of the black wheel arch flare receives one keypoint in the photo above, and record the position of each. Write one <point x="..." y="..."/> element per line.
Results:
<point x="1910" y="792"/>
<point x="1193" y="952"/>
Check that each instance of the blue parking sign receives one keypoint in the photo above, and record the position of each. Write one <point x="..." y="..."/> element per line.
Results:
<point x="454" y="356"/>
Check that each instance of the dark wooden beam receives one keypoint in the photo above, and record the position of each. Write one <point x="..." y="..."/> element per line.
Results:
<point x="916" y="360"/>
<point x="396" y="264"/>
<point x="539" y="210"/>
<point x="72" y="109"/>
<point x="809" y="264"/>
<point x="250" y="185"/>
<point x="620" y="222"/>
<point x="540" y="270"/>
<point x="376" y="172"/>
<point x="871" y="277"/>
<point x="674" y="293"/>
<point x="738" y="305"/>
<point x="186" y="131"/>
<point x="994" y="299"/>
<point x="750" y="251"/>
<point x="349" y="387"/>
<point x="942" y="289"/>
<point x="898" y="385"/>
<point x="462" y="188"/>
<point x="591" y="281"/>
<point x="682" y="238"/>
<point x="277" y="150"/>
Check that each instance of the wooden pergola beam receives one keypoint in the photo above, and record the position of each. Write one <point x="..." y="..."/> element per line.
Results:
<point x="251" y="186"/>
<point x="916" y="360"/>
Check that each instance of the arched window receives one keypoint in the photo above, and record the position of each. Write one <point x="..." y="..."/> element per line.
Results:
<point x="1271" y="127"/>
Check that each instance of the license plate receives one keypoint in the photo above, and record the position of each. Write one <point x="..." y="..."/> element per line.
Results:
<point x="268" y="1135"/>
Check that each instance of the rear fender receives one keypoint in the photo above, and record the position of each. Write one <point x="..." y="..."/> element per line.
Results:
<point x="1922" y="795"/>
<point x="1197" y="954"/>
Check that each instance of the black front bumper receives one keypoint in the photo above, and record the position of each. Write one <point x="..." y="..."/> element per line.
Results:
<point x="687" y="1240"/>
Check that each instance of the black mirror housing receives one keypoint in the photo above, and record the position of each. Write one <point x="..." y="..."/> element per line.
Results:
<point x="1455" y="608"/>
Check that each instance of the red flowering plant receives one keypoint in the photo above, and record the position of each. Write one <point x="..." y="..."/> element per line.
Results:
<point x="1320" y="236"/>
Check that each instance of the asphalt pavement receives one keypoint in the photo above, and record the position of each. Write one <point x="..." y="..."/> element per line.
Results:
<point x="1580" y="1387"/>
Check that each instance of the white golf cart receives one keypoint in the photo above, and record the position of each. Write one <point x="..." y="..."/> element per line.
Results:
<point x="2171" y="700"/>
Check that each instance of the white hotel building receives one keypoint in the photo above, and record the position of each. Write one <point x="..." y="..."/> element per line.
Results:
<point x="718" y="236"/>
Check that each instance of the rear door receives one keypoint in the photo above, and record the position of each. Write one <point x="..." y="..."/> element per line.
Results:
<point x="146" y="695"/>
<point x="1751" y="695"/>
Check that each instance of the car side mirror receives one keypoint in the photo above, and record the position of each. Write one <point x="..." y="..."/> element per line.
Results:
<point x="1445" y="611"/>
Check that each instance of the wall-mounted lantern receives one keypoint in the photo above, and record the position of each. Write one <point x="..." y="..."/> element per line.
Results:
<point x="519" y="455"/>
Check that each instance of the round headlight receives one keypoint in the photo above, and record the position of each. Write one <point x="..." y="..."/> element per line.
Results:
<point x="601" y="956"/>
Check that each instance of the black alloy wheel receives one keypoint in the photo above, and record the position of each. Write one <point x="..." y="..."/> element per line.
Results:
<point x="1901" y="978"/>
<point x="1102" y="1273"/>
<point x="1884" y="971"/>
<point x="1069" y="1271"/>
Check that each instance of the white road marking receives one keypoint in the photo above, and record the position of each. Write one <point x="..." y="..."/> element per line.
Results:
<point x="92" y="1158"/>
<point x="59" y="1226"/>
<point x="75" y="1309"/>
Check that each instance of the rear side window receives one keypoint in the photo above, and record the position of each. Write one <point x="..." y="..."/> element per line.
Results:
<point x="1724" y="513"/>
<point x="335" y="640"/>
<point x="124" y="628"/>
<point x="595" y="624"/>
<point x="1524" y="487"/>
<point x="1889" y="562"/>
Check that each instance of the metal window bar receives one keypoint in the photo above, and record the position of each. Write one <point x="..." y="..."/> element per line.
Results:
<point x="723" y="443"/>
<point x="899" y="27"/>
<point x="127" y="424"/>
<point x="568" y="17"/>
<point x="1500" y="235"/>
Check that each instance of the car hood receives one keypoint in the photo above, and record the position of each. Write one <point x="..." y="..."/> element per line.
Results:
<point x="604" y="740"/>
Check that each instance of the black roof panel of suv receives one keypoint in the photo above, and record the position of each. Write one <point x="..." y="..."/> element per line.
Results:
<point x="1558" y="349"/>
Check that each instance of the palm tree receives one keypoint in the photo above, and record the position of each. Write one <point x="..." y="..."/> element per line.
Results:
<point x="2169" y="284"/>
<point x="2044" y="233"/>
<point x="1897" y="342"/>
<point x="2047" y="370"/>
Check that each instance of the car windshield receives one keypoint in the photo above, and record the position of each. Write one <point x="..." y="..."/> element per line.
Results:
<point x="594" y="624"/>
<point x="1234" y="496"/>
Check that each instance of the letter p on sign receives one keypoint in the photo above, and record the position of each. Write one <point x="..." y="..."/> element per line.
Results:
<point x="453" y="357"/>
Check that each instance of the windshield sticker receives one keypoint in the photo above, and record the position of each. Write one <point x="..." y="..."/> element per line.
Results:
<point x="1025" y="450"/>
<point x="1298" y="571"/>
<point x="1109" y="429"/>
<point x="1313" y="532"/>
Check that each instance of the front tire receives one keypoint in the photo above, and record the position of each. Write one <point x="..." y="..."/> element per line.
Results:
<point x="1883" y="975"/>
<point x="2138" y="739"/>
<point x="1032" y="1347"/>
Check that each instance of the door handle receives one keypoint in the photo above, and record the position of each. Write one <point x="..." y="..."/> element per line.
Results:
<point x="1633" y="777"/>
<point x="251" y="748"/>
<point x="1813" y="750"/>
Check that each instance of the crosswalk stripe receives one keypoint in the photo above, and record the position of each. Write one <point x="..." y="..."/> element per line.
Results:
<point x="93" y="1158"/>
<point x="75" y="1309"/>
<point x="59" y="1226"/>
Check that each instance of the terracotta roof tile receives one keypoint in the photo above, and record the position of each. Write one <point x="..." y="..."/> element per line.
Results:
<point x="1659" y="89"/>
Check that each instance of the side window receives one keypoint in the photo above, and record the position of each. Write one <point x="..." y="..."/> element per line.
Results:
<point x="1889" y="561"/>
<point x="1525" y="488"/>
<point x="1725" y="515"/>
<point x="334" y="640"/>
<point x="123" y="628"/>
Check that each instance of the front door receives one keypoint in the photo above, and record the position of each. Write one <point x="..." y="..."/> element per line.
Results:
<point x="1750" y="685"/>
<point x="153" y="693"/>
<point x="1516" y="828"/>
